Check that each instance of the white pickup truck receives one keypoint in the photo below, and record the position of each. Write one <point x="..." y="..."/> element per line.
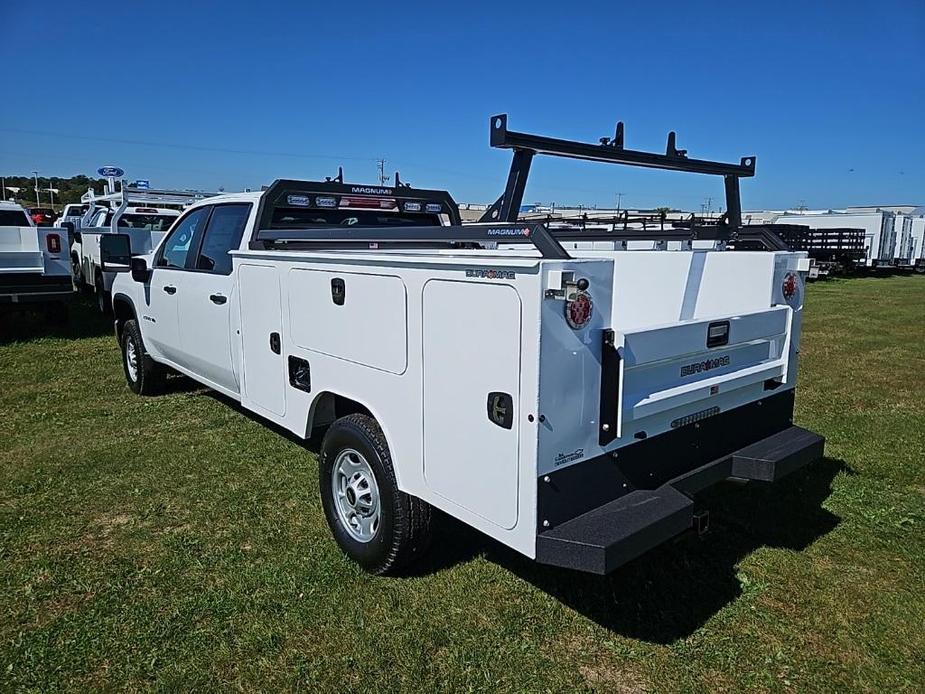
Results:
<point x="144" y="227"/>
<point x="144" y="214"/>
<point x="34" y="267"/>
<point x="567" y="403"/>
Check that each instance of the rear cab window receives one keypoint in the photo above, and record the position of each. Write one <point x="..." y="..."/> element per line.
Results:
<point x="223" y="234"/>
<point x="14" y="218"/>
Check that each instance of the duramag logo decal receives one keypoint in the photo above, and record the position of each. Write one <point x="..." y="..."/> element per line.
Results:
<point x="705" y="365"/>
<point x="492" y="274"/>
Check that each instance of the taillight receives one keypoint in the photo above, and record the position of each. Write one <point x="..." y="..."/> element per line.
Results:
<point x="789" y="286"/>
<point x="53" y="242"/>
<point x="578" y="310"/>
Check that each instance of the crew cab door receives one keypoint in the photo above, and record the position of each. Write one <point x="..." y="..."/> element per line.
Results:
<point x="160" y="322"/>
<point x="204" y="312"/>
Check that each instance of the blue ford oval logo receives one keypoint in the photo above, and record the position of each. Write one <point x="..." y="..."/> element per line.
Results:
<point x="110" y="171"/>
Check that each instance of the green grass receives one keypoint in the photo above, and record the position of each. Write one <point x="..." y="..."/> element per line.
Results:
<point x="177" y="543"/>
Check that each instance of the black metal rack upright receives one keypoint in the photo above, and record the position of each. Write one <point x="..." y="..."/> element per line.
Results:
<point x="611" y="151"/>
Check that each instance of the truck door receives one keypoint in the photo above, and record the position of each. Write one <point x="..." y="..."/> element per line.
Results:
<point x="205" y="329"/>
<point x="160" y="323"/>
<point x="471" y="396"/>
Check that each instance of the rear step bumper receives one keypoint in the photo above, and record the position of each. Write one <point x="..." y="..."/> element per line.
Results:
<point x="606" y="537"/>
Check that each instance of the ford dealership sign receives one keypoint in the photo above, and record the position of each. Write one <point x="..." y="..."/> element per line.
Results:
<point x="110" y="171"/>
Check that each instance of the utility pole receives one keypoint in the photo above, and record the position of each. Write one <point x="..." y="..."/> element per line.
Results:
<point x="38" y="203"/>
<point x="3" y="187"/>
<point x="619" y="200"/>
<point x="709" y="206"/>
<point x="383" y="179"/>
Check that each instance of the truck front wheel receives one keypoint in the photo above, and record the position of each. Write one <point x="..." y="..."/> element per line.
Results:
<point x="375" y="524"/>
<point x="143" y="374"/>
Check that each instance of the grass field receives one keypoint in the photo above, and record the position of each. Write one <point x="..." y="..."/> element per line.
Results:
<point x="175" y="543"/>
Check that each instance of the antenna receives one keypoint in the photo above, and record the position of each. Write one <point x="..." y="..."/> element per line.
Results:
<point x="383" y="179"/>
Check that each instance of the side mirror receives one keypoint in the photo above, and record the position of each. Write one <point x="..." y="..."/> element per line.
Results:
<point x="77" y="237"/>
<point x="115" y="252"/>
<point x="140" y="271"/>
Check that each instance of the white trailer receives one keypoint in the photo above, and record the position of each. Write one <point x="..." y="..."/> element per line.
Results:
<point x="917" y="236"/>
<point x="567" y="404"/>
<point x="877" y="226"/>
<point x="34" y="267"/>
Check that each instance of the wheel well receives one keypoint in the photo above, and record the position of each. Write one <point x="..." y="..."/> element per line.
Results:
<point x="329" y="406"/>
<point x="123" y="311"/>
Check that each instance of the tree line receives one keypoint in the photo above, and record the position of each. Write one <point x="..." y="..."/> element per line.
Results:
<point x="68" y="189"/>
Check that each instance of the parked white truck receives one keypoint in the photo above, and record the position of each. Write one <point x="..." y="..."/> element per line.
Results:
<point x="567" y="403"/>
<point x="34" y="267"/>
<point x="142" y="214"/>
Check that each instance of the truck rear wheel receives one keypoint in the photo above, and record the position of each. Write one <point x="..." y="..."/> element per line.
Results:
<point x="375" y="524"/>
<point x="144" y="375"/>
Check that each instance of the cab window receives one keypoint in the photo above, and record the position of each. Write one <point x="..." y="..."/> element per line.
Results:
<point x="177" y="245"/>
<point x="223" y="234"/>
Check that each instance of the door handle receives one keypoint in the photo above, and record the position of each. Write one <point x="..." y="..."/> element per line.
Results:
<point x="501" y="409"/>
<point x="169" y="289"/>
<point x="218" y="298"/>
<point x="275" y="343"/>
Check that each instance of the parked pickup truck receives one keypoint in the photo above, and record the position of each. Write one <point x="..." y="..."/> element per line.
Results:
<point x="567" y="403"/>
<point x="34" y="268"/>
<point x="144" y="227"/>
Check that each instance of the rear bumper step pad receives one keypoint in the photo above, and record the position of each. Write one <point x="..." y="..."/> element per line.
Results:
<point x="606" y="537"/>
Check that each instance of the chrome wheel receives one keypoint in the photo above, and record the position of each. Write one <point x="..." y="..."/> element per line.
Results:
<point x="131" y="359"/>
<point x="356" y="495"/>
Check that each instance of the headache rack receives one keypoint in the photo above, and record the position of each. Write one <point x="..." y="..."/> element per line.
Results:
<point x="425" y="204"/>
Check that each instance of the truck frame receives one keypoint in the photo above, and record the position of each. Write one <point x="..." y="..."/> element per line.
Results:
<point x="568" y="403"/>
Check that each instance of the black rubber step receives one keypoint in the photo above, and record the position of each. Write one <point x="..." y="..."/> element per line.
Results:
<point x="602" y="539"/>
<point x="778" y="455"/>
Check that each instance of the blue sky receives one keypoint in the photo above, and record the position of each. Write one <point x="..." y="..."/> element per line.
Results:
<point x="830" y="96"/>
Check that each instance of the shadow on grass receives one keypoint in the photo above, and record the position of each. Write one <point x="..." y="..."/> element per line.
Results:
<point x="26" y="325"/>
<point x="670" y="592"/>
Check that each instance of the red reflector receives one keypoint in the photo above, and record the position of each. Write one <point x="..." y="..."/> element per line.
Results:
<point x="369" y="203"/>
<point x="789" y="287"/>
<point x="53" y="241"/>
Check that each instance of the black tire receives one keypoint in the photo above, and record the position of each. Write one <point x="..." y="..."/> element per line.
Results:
<point x="56" y="312"/>
<point x="148" y="376"/>
<point x="103" y="298"/>
<point x="404" y="526"/>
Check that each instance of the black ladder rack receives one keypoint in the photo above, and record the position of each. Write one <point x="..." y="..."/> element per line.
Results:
<point x="609" y="150"/>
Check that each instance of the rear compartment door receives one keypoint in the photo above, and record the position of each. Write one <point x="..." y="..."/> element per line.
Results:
<point x="471" y="341"/>
<point x="675" y="366"/>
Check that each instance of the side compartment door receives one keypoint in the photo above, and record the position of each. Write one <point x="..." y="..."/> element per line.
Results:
<point x="471" y="387"/>
<point x="264" y="385"/>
